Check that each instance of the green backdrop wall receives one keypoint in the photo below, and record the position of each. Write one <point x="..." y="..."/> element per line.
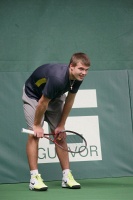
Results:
<point x="34" y="32"/>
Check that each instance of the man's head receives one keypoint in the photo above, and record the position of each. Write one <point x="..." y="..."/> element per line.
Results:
<point x="78" y="66"/>
<point x="79" y="57"/>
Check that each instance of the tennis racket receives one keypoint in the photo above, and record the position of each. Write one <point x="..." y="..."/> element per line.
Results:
<point x="76" y="143"/>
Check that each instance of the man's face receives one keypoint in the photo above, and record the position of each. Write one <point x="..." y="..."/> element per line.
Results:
<point x="78" y="72"/>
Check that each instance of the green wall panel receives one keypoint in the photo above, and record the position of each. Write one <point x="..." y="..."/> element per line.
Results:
<point x="130" y="74"/>
<point x="115" y="124"/>
<point x="34" y="32"/>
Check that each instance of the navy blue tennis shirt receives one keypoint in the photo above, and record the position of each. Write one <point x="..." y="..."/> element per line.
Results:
<point x="51" y="80"/>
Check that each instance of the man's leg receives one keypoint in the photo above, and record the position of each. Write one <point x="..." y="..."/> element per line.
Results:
<point x="63" y="157"/>
<point x="67" y="180"/>
<point x="53" y="117"/>
<point x="36" y="182"/>
<point x="32" y="152"/>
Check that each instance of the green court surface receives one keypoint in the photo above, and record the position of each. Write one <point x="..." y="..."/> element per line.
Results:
<point x="93" y="189"/>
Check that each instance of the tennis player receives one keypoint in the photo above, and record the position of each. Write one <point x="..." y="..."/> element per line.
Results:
<point x="44" y="99"/>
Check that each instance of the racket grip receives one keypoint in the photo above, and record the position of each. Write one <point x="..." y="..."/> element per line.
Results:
<point x="27" y="131"/>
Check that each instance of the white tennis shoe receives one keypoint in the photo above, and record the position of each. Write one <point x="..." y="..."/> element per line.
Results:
<point x="69" y="182"/>
<point x="37" y="184"/>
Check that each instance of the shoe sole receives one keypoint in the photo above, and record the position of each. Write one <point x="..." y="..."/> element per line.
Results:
<point x="73" y="187"/>
<point x="41" y="189"/>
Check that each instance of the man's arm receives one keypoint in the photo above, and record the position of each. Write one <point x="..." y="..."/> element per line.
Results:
<point x="40" y="110"/>
<point x="66" y="110"/>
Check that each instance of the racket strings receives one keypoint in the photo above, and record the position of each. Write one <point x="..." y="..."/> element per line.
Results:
<point x="75" y="143"/>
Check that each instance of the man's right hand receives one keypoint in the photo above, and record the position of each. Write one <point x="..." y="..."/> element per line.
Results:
<point x="38" y="131"/>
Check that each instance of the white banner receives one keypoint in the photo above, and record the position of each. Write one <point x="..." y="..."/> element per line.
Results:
<point x="88" y="126"/>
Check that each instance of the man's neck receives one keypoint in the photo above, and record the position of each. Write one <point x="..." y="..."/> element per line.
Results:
<point x="71" y="77"/>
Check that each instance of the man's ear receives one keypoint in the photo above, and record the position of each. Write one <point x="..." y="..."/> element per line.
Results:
<point x="71" y="67"/>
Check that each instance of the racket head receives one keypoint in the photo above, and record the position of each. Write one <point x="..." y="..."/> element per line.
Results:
<point x="76" y="143"/>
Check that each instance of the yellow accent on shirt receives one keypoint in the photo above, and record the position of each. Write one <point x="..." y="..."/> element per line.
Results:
<point x="41" y="81"/>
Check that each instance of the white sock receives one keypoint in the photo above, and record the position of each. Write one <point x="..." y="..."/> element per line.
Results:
<point x="34" y="172"/>
<point x="65" y="172"/>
